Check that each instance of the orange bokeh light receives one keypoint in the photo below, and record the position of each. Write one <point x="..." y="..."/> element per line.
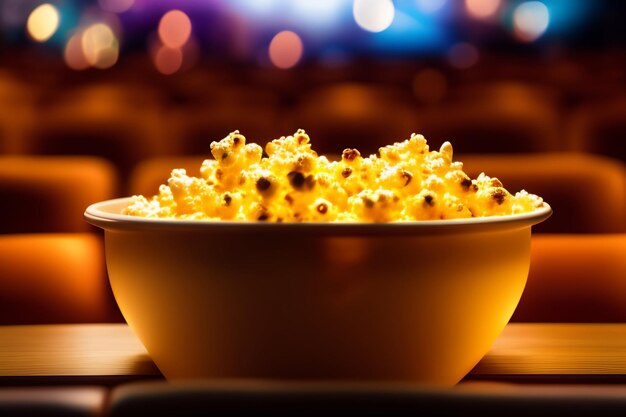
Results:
<point x="74" y="55"/>
<point x="482" y="8"/>
<point x="168" y="60"/>
<point x="174" y="29"/>
<point x="285" y="49"/>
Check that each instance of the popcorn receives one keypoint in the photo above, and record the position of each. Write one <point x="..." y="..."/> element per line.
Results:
<point x="404" y="182"/>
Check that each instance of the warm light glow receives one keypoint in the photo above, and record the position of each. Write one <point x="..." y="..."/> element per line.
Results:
<point x="430" y="6"/>
<point x="285" y="49"/>
<point x="463" y="55"/>
<point x="107" y="58"/>
<point x="74" y="56"/>
<point x="373" y="15"/>
<point x="174" y="29"/>
<point x="482" y="8"/>
<point x="116" y="6"/>
<point x="43" y="22"/>
<point x="100" y="46"/>
<point x="530" y="20"/>
<point x="168" y="60"/>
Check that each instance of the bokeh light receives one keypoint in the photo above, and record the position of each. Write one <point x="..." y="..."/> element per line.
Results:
<point x="100" y="46"/>
<point x="373" y="15"/>
<point x="73" y="54"/>
<point x="285" y="49"/>
<point x="174" y="29"/>
<point x="482" y="8"/>
<point x="463" y="55"/>
<point x="530" y="20"/>
<point x="107" y="58"/>
<point x="116" y="6"/>
<point x="43" y="22"/>
<point x="168" y="60"/>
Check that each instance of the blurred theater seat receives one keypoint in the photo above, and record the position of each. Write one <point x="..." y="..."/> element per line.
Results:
<point x="151" y="173"/>
<point x="16" y="111"/>
<point x="54" y="278"/>
<point x="499" y="118"/>
<point x="600" y="127"/>
<point x="118" y="124"/>
<point x="586" y="192"/>
<point x="194" y="128"/>
<point x="575" y="278"/>
<point x="353" y="116"/>
<point x="47" y="194"/>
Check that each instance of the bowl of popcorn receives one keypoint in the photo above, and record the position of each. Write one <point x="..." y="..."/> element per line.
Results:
<point x="285" y="264"/>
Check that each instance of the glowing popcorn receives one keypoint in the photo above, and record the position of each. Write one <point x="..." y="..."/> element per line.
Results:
<point x="404" y="182"/>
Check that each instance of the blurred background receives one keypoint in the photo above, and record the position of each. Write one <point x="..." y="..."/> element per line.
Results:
<point x="102" y="98"/>
<point x="533" y="92"/>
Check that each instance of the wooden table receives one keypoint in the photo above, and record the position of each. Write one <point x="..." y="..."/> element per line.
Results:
<point x="109" y="354"/>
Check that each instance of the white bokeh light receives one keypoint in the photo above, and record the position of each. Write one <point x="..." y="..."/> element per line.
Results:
<point x="43" y="22"/>
<point x="100" y="46"/>
<point x="373" y="15"/>
<point x="530" y="20"/>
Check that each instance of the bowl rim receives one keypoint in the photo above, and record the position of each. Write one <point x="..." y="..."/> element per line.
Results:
<point x="106" y="215"/>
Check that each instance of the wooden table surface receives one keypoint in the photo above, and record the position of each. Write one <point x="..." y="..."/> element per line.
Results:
<point x="111" y="354"/>
<point x="550" y="352"/>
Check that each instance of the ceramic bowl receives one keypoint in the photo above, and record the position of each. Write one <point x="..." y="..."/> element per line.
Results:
<point x="413" y="301"/>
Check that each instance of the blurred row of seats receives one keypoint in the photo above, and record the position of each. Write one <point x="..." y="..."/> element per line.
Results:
<point x="118" y="140"/>
<point x="48" y="194"/>
<point x="52" y="263"/>
<point x="126" y="125"/>
<point x="52" y="267"/>
<point x="60" y="278"/>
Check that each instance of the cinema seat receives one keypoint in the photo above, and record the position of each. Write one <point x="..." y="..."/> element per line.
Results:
<point x="48" y="194"/>
<point x="586" y="192"/>
<point x="148" y="175"/>
<point x="491" y="126"/>
<point x="16" y="111"/>
<point x="195" y="128"/>
<point x="101" y="124"/>
<point x="353" y="115"/>
<point x="600" y="127"/>
<point x="11" y="128"/>
<point x="54" y="278"/>
<point x="575" y="278"/>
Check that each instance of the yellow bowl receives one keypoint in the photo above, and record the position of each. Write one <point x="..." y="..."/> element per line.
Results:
<point x="414" y="301"/>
